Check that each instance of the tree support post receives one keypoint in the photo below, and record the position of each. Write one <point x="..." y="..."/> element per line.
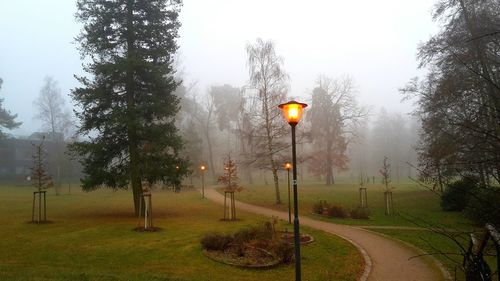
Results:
<point x="389" y="206"/>
<point x="147" y="211"/>
<point x="231" y="213"/>
<point x="37" y="199"/>
<point x="363" y="198"/>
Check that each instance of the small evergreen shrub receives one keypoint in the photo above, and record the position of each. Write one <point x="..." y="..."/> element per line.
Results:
<point x="456" y="195"/>
<point x="484" y="206"/>
<point x="360" y="213"/>
<point x="216" y="242"/>
<point x="336" y="211"/>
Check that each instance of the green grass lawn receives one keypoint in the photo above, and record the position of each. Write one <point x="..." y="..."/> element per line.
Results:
<point x="415" y="207"/>
<point x="413" y="204"/>
<point x="91" y="238"/>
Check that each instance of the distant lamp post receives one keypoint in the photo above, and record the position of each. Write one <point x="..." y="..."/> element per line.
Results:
<point x="288" y="167"/>
<point x="203" y="168"/>
<point x="177" y="187"/>
<point x="292" y="111"/>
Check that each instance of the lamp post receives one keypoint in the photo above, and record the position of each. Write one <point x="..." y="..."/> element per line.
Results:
<point x="292" y="111"/>
<point x="288" y="166"/>
<point x="203" y="168"/>
<point x="177" y="185"/>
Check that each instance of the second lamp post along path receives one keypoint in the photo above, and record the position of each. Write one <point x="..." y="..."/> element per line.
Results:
<point x="292" y="111"/>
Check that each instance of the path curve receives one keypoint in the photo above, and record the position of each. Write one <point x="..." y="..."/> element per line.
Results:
<point x="386" y="259"/>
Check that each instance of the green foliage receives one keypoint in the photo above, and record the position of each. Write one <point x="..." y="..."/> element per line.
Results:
<point x="216" y="242"/>
<point x="484" y="206"/>
<point x="6" y="118"/>
<point x="127" y="103"/>
<point x="456" y="195"/>
<point x="360" y="213"/>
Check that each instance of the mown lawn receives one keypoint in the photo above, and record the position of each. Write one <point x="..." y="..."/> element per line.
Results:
<point x="415" y="206"/>
<point x="91" y="238"/>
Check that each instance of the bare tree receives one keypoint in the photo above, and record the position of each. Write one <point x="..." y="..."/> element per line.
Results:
<point x="333" y="115"/>
<point x="269" y="79"/>
<point x="385" y="172"/>
<point x="56" y="120"/>
<point x="52" y="111"/>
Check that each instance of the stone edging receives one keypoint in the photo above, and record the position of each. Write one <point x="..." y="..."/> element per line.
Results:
<point x="265" y="266"/>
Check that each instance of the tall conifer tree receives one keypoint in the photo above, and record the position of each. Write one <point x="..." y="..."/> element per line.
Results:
<point x="6" y="118"/>
<point x="126" y="100"/>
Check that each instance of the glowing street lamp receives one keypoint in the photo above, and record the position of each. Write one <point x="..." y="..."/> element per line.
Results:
<point x="292" y="111"/>
<point x="288" y="167"/>
<point x="203" y="168"/>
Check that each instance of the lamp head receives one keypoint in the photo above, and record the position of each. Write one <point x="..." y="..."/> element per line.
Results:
<point x="288" y="166"/>
<point x="292" y="111"/>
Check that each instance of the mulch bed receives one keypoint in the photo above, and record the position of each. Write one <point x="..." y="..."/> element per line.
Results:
<point x="250" y="257"/>
<point x="254" y="257"/>
<point x="149" y="229"/>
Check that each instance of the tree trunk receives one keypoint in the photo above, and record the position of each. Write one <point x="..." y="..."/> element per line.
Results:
<point x="135" y="174"/>
<point x="329" y="163"/>
<point x="269" y="139"/>
<point x="210" y="154"/>
<point x="440" y="180"/>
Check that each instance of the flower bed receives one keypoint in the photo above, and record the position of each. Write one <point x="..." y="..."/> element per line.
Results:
<point x="255" y="247"/>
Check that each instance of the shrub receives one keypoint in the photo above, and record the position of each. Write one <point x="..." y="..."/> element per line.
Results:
<point x="263" y="231"/>
<point x="244" y="236"/>
<point x="216" y="242"/>
<point x="336" y="211"/>
<point x="457" y="194"/>
<point x="319" y="207"/>
<point x="360" y="213"/>
<point x="484" y="206"/>
<point x="283" y="250"/>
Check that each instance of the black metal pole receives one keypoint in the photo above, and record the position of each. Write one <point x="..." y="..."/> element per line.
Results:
<point x="203" y="184"/>
<point x="296" y="209"/>
<point x="289" y="206"/>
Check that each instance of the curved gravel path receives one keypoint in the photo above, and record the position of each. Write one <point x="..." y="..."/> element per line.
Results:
<point x="386" y="259"/>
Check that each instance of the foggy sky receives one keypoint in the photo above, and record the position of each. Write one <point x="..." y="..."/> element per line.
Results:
<point x="373" y="41"/>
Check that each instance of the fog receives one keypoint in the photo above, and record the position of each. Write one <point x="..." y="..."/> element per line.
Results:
<point x="373" y="42"/>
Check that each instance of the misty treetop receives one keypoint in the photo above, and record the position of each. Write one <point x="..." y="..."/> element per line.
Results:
<point x="52" y="111"/>
<point x="333" y="115"/>
<point x="127" y="103"/>
<point x="270" y="81"/>
<point x="6" y="118"/>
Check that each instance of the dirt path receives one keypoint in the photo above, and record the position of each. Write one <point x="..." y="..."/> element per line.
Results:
<point x="386" y="259"/>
